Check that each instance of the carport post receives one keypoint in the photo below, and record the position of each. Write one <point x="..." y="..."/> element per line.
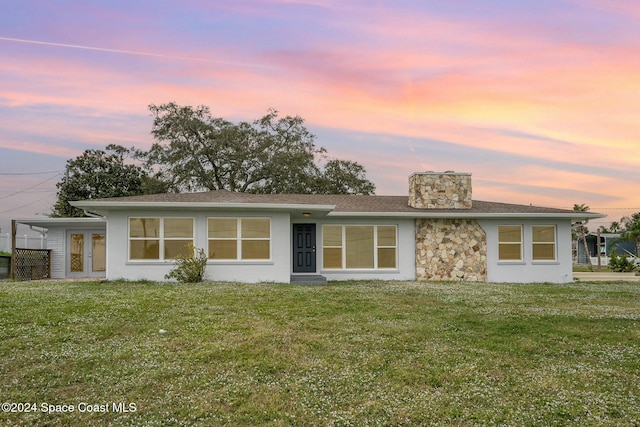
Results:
<point x="14" y="230"/>
<point x="599" y="252"/>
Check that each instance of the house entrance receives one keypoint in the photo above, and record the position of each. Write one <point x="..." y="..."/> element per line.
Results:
<point x="304" y="248"/>
<point x="86" y="254"/>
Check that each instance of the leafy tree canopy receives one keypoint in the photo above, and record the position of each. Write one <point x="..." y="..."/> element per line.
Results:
<point x="196" y="151"/>
<point x="102" y="173"/>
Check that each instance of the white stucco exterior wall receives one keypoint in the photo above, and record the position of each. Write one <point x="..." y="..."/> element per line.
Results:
<point x="278" y="269"/>
<point x="527" y="270"/>
<point x="275" y="270"/>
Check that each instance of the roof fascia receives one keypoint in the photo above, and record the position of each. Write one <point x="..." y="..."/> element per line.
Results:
<point x="52" y="222"/>
<point x="466" y="215"/>
<point x="103" y="206"/>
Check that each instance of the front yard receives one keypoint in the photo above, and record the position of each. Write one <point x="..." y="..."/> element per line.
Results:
<point x="361" y="353"/>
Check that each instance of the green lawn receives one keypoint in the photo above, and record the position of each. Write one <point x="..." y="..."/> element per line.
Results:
<point x="361" y="353"/>
<point x="583" y="268"/>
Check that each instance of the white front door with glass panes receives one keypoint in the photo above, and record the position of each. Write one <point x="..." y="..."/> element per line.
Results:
<point x="86" y="254"/>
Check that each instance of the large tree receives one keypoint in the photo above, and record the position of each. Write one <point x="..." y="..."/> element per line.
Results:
<point x="196" y="151"/>
<point x="343" y="177"/>
<point x="102" y="173"/>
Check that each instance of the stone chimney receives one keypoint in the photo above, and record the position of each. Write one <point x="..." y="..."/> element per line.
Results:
<point x="440" y="190"/>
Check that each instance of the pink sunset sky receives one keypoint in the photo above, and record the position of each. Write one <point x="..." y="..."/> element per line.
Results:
<point x="538" y="99"/>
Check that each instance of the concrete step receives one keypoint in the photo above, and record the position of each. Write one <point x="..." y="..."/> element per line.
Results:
<point x="308" y="279"/>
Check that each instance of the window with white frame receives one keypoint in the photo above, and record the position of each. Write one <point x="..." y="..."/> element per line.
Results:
<point x="239" y="238"/>
<point x="543" y="238"/>
<point x="510" y="242"/>
<point x="160" y="238"/>
<point x="359" y="246"/>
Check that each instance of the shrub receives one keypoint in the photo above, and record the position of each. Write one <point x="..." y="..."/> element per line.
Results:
<point x="620" y="262"/>
<point x="189" y="268"/>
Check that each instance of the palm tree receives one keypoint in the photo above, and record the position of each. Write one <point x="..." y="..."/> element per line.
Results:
<point x="632" y="230"/>
<point x="614" y="227"/>
<point x="581" y="230"/>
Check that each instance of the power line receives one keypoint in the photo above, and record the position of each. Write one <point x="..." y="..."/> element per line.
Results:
<point x="28" y="173"/>
<point x="22" y="206"/>
<point x="616" y="209"/>
<point x="596" y="209"/>
<point x="29" y="188"/>
<point x="42" y="190"/>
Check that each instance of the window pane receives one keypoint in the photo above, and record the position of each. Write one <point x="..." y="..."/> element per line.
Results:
<point x="173" y="248"/>
<point x="255" y="228"/>
<point x="98" y="253"/>
<point x="223" y="249"/>
<point x="386" y="258"/>
<point x="545" y="234"/>
<point x="77" y="253"/>
<point x="223" y="228"/>
<point x="544" y="252"/>
<point x="332" y="235"/>
<point x="178" y="227"/>
<point x="509" y="233"/>
<point x="332" y="257"/>
<point x="359" y="241"/>
<point x="144" y="249"/>
<point x="509" y="252"/>
<point x="255" y="249"/>
<point x="386" y="235"/>
<point x="144" y="227"/>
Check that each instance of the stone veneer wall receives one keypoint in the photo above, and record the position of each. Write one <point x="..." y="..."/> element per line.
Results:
<point x="450" y="249"/>
<point x="440" y="190"/>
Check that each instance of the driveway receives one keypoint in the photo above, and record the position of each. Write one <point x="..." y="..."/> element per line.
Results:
<point x="606" y="277"/>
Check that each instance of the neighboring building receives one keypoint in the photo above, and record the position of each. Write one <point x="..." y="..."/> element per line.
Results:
<point x="436" y="233"/>
<point x="608" y="243"/>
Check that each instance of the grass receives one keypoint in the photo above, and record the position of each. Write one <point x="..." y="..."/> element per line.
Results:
<point x="361" y="353"/>
<point x="584" y="268"/>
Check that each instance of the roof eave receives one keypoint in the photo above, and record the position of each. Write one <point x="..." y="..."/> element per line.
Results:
<point x="105" y="206"/>
<point x="51" y="222"/>
<point x="466" y="215"/>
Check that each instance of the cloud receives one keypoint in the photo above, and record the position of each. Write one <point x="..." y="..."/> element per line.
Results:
<point x="93" y="48"/>
<point x="623" y="8"/>
<point x="530" y="92"/>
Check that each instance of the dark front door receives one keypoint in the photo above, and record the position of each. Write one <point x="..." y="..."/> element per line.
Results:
<point x="304" y="248"/>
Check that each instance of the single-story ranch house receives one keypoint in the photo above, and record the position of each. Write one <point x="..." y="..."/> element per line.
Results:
<point x="435" y="233"/>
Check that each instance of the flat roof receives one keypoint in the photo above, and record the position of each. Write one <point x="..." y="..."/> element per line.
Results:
<point x="63" y="222"/>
